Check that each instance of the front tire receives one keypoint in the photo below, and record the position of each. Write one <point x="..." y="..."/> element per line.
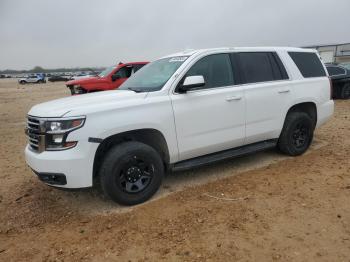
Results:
<point x="297" y="134"/>
<point x="131" y="173"/>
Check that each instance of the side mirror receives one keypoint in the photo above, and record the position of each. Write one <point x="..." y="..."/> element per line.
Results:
<point x="192" y="82"/>
<point x="115" y="77"/>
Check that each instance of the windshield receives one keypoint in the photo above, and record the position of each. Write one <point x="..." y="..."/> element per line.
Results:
<point x="153" y="76"/>
<point x="106" y="72"/>
<point x="346" y="65"/>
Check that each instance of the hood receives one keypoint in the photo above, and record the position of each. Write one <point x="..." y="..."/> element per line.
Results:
<point x="83" y="104"/>
<point x="84" y="80"/>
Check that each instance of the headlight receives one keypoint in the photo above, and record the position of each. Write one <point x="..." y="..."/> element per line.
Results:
<point x="57" y="132"/>
<point x="62" y="126"/>
<point x="77" y="89"/>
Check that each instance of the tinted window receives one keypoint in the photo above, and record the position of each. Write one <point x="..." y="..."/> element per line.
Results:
<point x="137" y="67"/>
<point x="308" y="63"/>
<point x="335" y="70"/>
<point x="278" y="67"/>
<point x="260" y="67"/>
<point x="216" y="70"/>
<point x="124" y="72"/>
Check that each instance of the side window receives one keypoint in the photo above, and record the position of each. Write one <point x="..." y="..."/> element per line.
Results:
<point x="308" y="64"/>
<point x="124" y="72"/>
<point x="335" y="70"/>
<point x="137" y="67"/>
<point x="216" y="70"/>
<point x="258" y="67"/>
<point x="278" y="67"/>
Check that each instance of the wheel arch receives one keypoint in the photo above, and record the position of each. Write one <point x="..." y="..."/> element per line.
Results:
<point x="148" y="136"/>
<point x="309" y="108"/>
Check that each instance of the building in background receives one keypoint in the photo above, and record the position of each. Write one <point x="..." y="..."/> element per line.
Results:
<point x="338" y="53"/>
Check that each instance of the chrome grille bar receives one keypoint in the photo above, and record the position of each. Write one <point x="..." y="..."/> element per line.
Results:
<point x="36" y="140"/>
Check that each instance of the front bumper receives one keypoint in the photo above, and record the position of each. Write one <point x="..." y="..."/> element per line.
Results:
<point x="75" y="164"/>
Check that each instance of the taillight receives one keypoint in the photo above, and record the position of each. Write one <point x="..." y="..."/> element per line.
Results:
<point x="331" y="87"/>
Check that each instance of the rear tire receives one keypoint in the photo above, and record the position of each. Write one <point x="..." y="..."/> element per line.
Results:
<point x="297" y="134"/>
<point x="345" y="91"/>
<point x="131" y="173"/>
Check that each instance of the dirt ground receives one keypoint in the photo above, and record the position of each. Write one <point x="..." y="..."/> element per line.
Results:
<point x="263" y="207"/>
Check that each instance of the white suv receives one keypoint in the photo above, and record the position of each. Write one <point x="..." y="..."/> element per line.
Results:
<point x="181" y="111"/>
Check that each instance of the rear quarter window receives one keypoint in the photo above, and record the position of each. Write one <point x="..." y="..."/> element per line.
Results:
<point x="308" y="64"/>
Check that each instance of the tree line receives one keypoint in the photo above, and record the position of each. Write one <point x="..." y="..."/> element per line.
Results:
<point x="39" y="69"/>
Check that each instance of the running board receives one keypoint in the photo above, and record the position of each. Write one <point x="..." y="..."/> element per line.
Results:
<point x="222" y="155"/>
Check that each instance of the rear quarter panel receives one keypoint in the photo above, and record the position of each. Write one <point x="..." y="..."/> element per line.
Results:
<point x="315" y="89"/>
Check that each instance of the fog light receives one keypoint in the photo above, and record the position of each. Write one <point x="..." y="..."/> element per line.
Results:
<point x="57" y="139"/>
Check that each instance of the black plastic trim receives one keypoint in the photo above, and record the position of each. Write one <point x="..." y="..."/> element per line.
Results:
<point x="52" y="178"/>
<point x="222" y="155"/>
<point x="95" y="140"/>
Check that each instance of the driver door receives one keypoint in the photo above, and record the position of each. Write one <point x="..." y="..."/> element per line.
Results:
<point x="211" y="118"/>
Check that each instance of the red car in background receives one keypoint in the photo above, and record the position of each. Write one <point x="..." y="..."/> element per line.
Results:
<point x="109" y="79"/>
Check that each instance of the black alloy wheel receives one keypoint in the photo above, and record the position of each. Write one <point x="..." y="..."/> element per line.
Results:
<point x="297" y="133"/>
<point x="135" y="175"/>
<point x="131" y="172"/>
<point x="300" y="135"/>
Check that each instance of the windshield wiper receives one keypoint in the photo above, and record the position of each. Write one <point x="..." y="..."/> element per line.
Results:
<point x="135" y="90"/>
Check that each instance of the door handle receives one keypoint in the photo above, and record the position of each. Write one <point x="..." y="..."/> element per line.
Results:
<point x="232" y="98"/>
<point x="284" y="91"/>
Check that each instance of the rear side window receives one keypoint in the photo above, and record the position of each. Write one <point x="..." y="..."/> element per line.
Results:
<point x="258" y="67"/>
<point x="308" y="64"/>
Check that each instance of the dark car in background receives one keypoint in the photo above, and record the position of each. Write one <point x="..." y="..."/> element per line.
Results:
<point x="340" y="77"/>
<point x="56" y="78"/>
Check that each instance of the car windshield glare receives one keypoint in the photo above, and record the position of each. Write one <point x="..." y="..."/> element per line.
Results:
<point x="346" y="65"/>
<point x="153" y="76"/>
<point x="106" y="72"/>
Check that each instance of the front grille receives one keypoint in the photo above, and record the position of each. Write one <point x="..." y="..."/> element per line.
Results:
<point x="35" y="139"/>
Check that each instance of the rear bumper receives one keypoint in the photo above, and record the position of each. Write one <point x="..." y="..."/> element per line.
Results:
<point x="324" y="112"/>
<point x="72" y="168"/>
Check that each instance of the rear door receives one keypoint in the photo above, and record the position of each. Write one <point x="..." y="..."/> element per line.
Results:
<point x="210" y="118"/>
<point x="267" y="93"/>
